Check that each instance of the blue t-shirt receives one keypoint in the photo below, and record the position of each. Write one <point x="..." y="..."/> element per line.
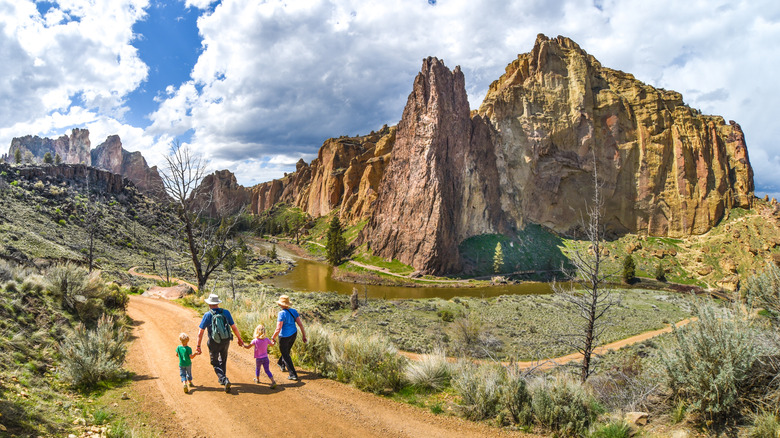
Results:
<point x="205" y="323"/>
<point x="288" y="326"/>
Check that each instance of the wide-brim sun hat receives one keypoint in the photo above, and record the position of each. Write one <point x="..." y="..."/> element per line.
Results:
<point x="284" y="301"/>
<point x="213" y="299"/>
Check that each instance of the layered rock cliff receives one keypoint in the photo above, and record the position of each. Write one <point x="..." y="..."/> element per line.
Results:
<point x="526" y="156"/>
<point x="344" y="176"/>
<point x="110" y="156"/>
<point x="665" y="168"/>
<point x="73" y="149"/>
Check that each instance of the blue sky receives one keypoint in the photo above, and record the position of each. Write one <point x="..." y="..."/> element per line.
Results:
<point x="256" y="85"/>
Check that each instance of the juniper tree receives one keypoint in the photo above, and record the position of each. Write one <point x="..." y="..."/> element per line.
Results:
<point x="336" y="248"/>
<point x="18" y="156"/>
<point x="47" y="158"/>
<point x="57" y="159"/>
<point x="629" y="269"/>
<point x="498" y="259"/>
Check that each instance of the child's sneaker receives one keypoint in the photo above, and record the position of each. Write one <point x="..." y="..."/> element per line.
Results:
<point x="186" y="390"/>
<point x="255" y="380"/>
<point x="192" y="385"/>
<point x="273" y="385"/>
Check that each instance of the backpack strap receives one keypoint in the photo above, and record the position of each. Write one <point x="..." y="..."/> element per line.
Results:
<point x="293" y="318"/>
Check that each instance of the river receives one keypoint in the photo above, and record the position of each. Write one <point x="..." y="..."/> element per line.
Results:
<point x="315" y="276"/>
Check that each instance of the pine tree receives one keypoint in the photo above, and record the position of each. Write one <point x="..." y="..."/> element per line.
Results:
<point x="498" y="259"/>
<point x="18" y="156"/>
<point x="47" y="158"/>
<point x="336" y="248"/>
<point x="629" y="269"/>
<point x="57" y="159"/>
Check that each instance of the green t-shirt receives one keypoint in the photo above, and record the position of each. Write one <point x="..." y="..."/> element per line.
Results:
<point x="184" y="354"/>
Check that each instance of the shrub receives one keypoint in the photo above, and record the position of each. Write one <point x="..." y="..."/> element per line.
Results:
<point x="116" y="299"/>
<point x="479" y="388"/>
<point x="625" y="385"/>
<point x="711" y="361"/>
<point x="617" y="429"/>
<point x="763" y="290"/>
<point x="431" y="372"/>
<point x="90" y="356"/>
<point x="515" y="397"/>
<point x="472" y="337"/>
<point x="315" y="351"/>
<point x="765" y="425"/>
<point x="563" y="405"/>
<point x="446" y="315"/>
<point x="660" y="272"/>
<point x="370" y="362"/>
<point x="80" y="292"/>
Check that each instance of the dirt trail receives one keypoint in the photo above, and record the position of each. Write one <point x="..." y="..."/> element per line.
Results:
<point x="545" y="364"/>
<point x="134" y="271"/>
<point x="312" y="407"/>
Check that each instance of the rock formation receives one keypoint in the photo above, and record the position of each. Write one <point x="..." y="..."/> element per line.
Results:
<point x="666" y="169"/>
<point x="526" y="156"/>
<point x="434" y="190"/>
<point x="345" y="175"/>
<point x="73" y="149"/>
<point x="219" y="194"/>
<point x="110" y="156"/>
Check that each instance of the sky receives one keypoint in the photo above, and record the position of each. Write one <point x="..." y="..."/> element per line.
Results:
<point x="256" y="85"/>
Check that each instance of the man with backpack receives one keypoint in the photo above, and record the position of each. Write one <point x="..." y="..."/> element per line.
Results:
<point x="219" y="323"/>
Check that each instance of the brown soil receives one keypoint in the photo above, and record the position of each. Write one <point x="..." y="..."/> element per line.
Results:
<point x="311" y="407"/>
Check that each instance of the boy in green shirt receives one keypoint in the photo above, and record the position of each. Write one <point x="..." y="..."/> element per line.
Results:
<point x="184" y="353"/>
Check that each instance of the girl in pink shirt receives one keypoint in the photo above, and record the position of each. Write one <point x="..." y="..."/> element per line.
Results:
<point x="261" y="343"/>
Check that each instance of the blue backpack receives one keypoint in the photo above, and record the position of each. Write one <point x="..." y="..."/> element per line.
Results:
<point x="220" y="329"/>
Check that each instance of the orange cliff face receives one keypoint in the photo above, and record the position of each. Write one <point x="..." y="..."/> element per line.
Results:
<point x="526" y="156"/>
<point x="344" y="176"/>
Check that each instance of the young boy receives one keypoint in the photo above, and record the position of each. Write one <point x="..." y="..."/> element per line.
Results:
<point x="185" y="355"/>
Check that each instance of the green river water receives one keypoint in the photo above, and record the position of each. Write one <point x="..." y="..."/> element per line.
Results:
<point x="315" y="276"/>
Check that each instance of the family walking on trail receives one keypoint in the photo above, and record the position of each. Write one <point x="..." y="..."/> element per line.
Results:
<point x="219" y="325"/>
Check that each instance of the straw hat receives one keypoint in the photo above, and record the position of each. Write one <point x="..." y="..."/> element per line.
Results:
<point x="284" y="301"/>
<point x="213" y="299"/>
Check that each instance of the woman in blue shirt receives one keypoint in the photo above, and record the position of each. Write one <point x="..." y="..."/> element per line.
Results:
<point x="287" y="332"/>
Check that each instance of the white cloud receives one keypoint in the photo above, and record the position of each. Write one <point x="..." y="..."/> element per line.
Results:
<point x="276" y="78"/>
<point x="71" y="66"/>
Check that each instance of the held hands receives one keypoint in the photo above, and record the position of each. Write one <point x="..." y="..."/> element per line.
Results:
<point x="240" y="342"/>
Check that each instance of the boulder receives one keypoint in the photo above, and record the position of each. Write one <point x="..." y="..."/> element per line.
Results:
<point x="636" y="418"/>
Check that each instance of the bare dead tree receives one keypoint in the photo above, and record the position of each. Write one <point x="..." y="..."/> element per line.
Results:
<point x="210" y="241"/>
<point x="92" y="223"/>
<point x="591" y="301"/>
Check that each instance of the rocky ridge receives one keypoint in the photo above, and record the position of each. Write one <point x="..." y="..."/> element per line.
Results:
<point x="109" y="155"/>
<point x="526" y="156"/>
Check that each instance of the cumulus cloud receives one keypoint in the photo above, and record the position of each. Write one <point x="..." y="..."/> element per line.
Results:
<point x="71" y="66"/>
<point x="275" y="79"/>
<point x="284" y="76"/>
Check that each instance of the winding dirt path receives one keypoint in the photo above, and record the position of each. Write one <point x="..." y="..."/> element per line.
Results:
<point x="552" y="362"/>
<point x="134" y="271"/>
<point x="312" y="407"/>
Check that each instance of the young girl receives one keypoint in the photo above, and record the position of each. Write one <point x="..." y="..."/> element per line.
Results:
<point x="261" y="343"/>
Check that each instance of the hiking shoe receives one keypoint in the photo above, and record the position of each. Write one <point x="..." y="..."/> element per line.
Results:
<point x="292" y="378"/>
<point x="273" y="386"/>
<point x="227" y="385"/>
<point x="192" y="385"/>
<point x="186" y="389"/>
<point x="283" y="368"/>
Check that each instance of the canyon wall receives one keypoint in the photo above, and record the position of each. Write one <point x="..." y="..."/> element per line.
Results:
<point x="73" y="149"/>
<point x="527" y="155"/>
